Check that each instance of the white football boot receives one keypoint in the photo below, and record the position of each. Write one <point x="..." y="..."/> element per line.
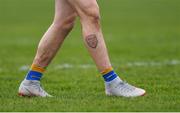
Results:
<point x="118" y="87"/>
<point x="32" y="88"/>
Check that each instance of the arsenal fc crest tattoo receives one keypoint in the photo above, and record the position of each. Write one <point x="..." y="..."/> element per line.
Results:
<point x="92" y="41"/>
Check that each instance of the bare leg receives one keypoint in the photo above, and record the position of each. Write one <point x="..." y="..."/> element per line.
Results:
<point x="48" y="47"/>
<point x="54" y="37"/>
<point x="90" y="19"/>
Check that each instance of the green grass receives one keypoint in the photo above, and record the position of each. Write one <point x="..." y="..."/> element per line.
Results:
<point x="135" y="31"/>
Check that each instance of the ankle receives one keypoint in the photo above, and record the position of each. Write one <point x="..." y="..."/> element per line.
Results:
<point x="35" y="73"/>
<point x="109" y="74"/>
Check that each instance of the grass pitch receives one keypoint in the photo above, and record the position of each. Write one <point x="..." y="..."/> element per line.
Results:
<point x="143" y="37"/>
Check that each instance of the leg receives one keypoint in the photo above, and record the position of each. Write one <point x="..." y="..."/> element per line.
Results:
<point x="54" y="37"/>
<point x="48" y="47"/>
<point x="90" y="19"/>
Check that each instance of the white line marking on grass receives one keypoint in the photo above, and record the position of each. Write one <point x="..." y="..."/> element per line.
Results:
<point x="128" y="64"/>
<point x="68" y="66"/>
<point x="64" y="66"/>
<point x="24" y="68"/>
<point x="86" y="66"/>
<point x="152" y="63"/>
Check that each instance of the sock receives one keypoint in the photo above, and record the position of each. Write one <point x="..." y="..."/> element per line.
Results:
<point x="109" y="74"/>
<point x="35" y="73"/>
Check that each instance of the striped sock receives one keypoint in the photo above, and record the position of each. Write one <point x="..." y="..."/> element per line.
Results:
<point x="109" y="74"/>
<point x="35" y="73"/>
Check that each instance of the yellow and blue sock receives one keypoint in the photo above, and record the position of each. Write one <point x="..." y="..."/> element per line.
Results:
<point x="35" y="73"/>
<point x="109" y="74"/>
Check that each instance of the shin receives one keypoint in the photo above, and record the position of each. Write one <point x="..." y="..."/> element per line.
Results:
<point x="93" y="37"/>
<point x="55" y="35"/>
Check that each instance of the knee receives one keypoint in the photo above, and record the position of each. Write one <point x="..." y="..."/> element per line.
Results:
<point x="90" y="17"/>
<point x="64" y="23"/>
<point x="91" y="13"/>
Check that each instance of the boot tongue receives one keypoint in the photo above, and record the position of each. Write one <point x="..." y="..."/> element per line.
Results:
<point x="115" y="82"/>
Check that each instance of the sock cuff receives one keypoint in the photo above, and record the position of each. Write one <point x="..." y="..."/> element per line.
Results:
<point x="106" y="71"/>
<point x="110" y="76"/>
<point x="37" y="68"/>
<point x="34" y="75"/>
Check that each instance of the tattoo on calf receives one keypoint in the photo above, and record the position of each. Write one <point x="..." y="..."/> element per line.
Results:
<point x="92" y="41"/>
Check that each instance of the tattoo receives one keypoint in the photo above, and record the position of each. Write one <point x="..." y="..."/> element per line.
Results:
<point x="92" y="41"/>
